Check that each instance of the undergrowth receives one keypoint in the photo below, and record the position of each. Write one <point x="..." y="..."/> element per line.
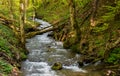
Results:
<point x="10" y="51"/>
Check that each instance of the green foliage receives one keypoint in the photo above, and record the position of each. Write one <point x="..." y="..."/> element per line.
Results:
<point x="75" y="48"/>
<point x="81" y="3"/>
<point x="7" y="34"/>
<point x="23" y="55"/>
<point x="6" y="39"/>
<point x="114" y="56"/>
<point x="101" y="28"/>
<point x="65" y="2"/>
<point x="5" y="67"/>
<point x="98" y="42"/>
<point x="5" y="8"/>
<point x="8" y="49"/>
<point x="112" y="11"/>
<point x="4" y="46"/>
<point x="68" y="43"/>
<point x="54" y="10"/>
<point x="101" y="52"/>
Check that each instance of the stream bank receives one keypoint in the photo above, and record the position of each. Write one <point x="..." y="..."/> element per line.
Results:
<point x="11" y="53"/>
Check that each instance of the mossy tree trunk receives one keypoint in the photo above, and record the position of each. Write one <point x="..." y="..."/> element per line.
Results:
<point x="72" y="14"/>
<point x="25" y="10"/>
<point x="22" y="22"/>
<point x="93" y="13"/>
<point x="94" y="6"/>
<point x="87" y="38"/>
<point x="74" y="26"/>
<point x="34" y="10"/>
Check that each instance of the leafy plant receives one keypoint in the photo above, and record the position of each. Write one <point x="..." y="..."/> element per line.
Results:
<point x="114" y="56"/>
<point x="4" y="46"/>
<point x="5" y="67"/>
<point x="112" y="11"/>
<point x="101" y="28"/>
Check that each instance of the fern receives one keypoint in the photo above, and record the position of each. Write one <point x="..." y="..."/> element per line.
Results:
<point x="112" y="11"/>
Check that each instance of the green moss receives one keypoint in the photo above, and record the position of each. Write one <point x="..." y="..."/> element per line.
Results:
<point x="57" y="66"/>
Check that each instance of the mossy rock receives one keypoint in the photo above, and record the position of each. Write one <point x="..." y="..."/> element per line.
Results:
<point x="57" y="66"/>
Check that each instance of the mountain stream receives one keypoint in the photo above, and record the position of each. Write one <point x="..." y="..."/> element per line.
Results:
<point x="44" y="51"/>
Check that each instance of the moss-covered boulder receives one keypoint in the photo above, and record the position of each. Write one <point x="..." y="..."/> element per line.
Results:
<point x="57" y="66"/>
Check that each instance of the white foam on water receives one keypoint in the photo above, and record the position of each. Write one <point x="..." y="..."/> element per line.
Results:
<point x="37" y="69"/>
<point x="43" y="24"/>
<point x="37" y="74"/>
<point x="74" y="68"/>
<point x="56" y="55"/>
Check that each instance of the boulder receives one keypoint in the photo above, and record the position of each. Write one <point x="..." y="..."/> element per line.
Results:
<point x="57" y="66"/>
<point x="80" y="64"/>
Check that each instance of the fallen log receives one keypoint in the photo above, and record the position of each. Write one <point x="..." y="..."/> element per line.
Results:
<point x="31" y="34"/>
<point x="49" y="28"/>
<point x="44" y="30"/>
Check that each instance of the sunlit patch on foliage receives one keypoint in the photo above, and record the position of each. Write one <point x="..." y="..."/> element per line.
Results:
<point x="101" y="28"/>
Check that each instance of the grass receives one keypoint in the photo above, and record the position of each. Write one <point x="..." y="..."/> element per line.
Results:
<point x="5" y="67"/>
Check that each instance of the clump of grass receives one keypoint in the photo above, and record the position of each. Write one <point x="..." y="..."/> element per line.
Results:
<point x="5" y="67"/>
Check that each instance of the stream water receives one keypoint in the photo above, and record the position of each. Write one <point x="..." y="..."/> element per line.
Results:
<point x="44" y="51"/>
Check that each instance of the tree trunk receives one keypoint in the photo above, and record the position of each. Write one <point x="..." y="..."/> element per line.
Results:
<point x="25" y="11"/>
<point x="75" y="27"/>
<point x="72" y="14"/>
<point x="34" y="10"/>
<point x="22" y="22"/>
<point x="94" y="9"/>
<point x="92" y="24"/>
